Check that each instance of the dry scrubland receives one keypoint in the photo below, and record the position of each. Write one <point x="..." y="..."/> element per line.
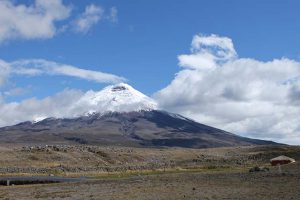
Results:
<point x="145" y="173"/>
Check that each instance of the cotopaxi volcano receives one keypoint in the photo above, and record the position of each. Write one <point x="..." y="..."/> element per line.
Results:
<point x="121" y="115"/>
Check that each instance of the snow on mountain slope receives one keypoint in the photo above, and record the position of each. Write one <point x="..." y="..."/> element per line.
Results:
<point x="116" y="98"/>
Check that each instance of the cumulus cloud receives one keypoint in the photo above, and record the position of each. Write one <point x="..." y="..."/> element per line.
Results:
<point x="208" y="52"/>
<point x="35" y="67"/>
<point x="40" y="19"/>
<point x="59" y="105"/>
<point x="242" y="95"/>
<point x="91" y="16"/>
<point x="33" y="21"/>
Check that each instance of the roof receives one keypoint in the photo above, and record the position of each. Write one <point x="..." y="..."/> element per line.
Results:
<point x="282" y="158"/>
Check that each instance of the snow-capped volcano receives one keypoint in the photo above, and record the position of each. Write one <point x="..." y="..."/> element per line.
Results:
<point x="118" y="115"/>
<point x="116" y="98"/>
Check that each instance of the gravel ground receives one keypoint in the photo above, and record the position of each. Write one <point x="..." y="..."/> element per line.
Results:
<point x="216" y="185"/>
<point x="224" y="173"/>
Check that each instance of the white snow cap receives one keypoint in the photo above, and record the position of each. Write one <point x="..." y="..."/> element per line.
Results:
<point x="116" y="98"/>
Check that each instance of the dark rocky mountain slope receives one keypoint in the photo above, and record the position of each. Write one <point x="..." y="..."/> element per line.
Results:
<point x="142" y="128"/>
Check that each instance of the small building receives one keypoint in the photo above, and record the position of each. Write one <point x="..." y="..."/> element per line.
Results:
<point x="281" y="160"/>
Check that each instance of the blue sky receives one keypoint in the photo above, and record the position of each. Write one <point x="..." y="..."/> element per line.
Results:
<point x="143" y="45"/>
<point x="149" y="42"/>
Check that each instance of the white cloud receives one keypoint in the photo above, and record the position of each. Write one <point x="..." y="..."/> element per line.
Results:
<point x="91" y="16"/>
<point x="58" y="105"/>
<point x="4" y="72"/>
<point x="31" y="22"/>
<point x="242" y="95"/>
<point x="63" y="104"/>
<point x="39" y="20"/>
<point x="35" y="67"/>
<point x="208" y="52"/>
<point x="113" y="16"/>
<point x="15" y="91"/>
